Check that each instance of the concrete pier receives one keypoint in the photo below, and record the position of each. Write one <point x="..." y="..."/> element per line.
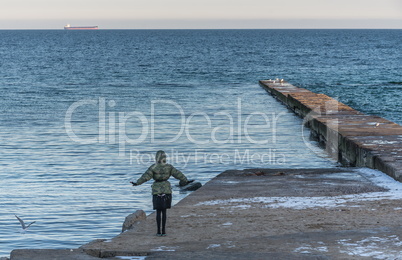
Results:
<point x="336" y="213"/>
<point x="340" y="213"/>
<point x="352" y="137"/>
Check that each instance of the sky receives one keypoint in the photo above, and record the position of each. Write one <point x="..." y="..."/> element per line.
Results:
<point x="200" y="14"/>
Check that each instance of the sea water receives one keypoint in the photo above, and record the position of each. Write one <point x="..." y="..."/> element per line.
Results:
<point x="82" y="113"/>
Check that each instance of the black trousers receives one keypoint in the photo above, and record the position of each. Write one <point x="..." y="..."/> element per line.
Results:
<point x="161" y="202"/>
<point x="161" y="221"/>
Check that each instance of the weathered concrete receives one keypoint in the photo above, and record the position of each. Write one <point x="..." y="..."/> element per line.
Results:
<point x="222" y="219"/>
<point x="133" y="219"/>
<point x="265" y="214"/>
<point x="355" y="139"/>
<point x="51" y="254"/>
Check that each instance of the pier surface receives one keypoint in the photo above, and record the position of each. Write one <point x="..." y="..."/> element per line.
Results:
<point x="341" y="213"/>
<point x="352" y="137"/>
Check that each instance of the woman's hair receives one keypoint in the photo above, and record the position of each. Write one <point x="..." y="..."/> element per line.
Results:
<point x="160" y="156"/>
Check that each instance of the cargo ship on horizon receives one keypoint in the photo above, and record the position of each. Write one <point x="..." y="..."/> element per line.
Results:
<point x="69" y="27"/>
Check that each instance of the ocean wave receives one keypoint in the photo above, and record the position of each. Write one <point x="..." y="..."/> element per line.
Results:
<point x="395" y="82"/>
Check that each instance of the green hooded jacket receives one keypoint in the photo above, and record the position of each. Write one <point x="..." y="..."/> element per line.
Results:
<point x="161" y="172"/>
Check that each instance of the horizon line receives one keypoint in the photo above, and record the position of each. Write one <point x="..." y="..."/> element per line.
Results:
<point x="127" y="29"/>
<point x="205" y="24"/>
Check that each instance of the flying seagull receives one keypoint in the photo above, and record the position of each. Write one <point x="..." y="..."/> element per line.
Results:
<point x="24" y="227"/>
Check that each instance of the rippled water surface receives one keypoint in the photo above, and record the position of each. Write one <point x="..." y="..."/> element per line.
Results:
<point x="83" y="112"/>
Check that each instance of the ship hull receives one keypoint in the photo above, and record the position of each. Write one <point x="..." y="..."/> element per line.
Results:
<point x="82" y="28"/>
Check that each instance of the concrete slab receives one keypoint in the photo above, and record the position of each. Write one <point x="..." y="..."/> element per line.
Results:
<point x="353" y="138"/>
<point x="340" y="213"/>
<point x="260" y="213"/>
<point x="53" y="254"/>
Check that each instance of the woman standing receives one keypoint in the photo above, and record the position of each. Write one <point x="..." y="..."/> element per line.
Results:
<point x="161" y="189"/>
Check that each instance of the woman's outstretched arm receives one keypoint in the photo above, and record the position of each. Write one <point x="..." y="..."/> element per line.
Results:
<point x="180" y="176"/>
<point x="145" y="177"/>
